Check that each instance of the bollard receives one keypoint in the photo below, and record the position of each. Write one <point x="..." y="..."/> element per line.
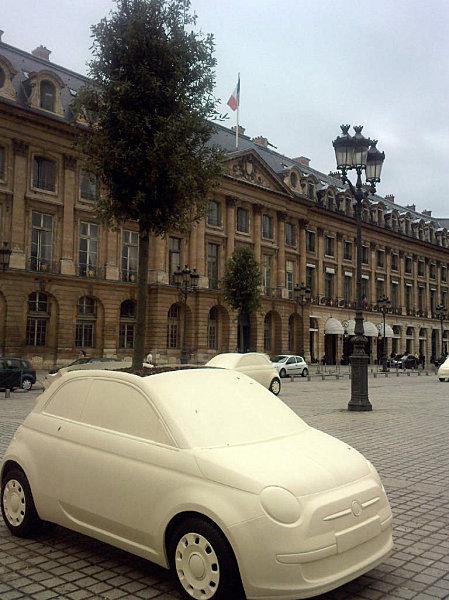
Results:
<point x="7" y="393"/>
<point x="322" y="377"/>
<point x="419" y="373"/>
<point x="374" y="374"/>
<point x="386" y="374"/>
<point x="309" y="378"/>
<point x="292" y="379"/>
<point x="408" y="373"/>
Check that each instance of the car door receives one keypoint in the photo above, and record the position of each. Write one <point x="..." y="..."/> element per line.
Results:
<point x="291" y="366"/>
<point x="300" y="364"/>
<point x="10" y="374"/>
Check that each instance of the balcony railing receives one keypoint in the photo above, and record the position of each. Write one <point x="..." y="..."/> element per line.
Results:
<point x="128" y="276"/>
<point x="43" y="265"/>
<point x="90" y="272"/>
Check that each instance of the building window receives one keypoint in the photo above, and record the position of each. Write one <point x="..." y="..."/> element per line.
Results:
<point x="380" y="289"/>
<point x="394" y="295"/>
<point x="2" y="163"/>
<point x="394" y="262"/>
<point x="88" y="252"/>
<point x="212" y="329"/>
<point x="310" y="241"/>
<point x="329" y="246"/>
<point x="347" y="288"/>
<point x="365" y="254"/>
<point x="408" y="296"/>
<point x="48" y="95"/>
<point x="44" y="174"/>
<point x="86" y="322"/>
<point x="130" y="255"/>
<point x="88" y="186"/>
<point x="365" y="291"/>
<point x="289" y="268"/>
<point x="290" y="234"/>
<point x="267" y="227"/>
<point x="311" y="191"/>
<point x="173" y="326"/>
<point x="329" y="285"/>
<point x="433" y="301"/>
<point x="347" y="251"/>
<point x="421" y="268"/>
<point x="174" y="257"/>
<point x="242" y="220"/>
<point x="266" y="274"/>
<point x="444" y="274"/>
<point x="267" y="328"/>
<point x="444" y="298"/>
<point x="212" y="265"/>
<point x="380" y="258"/>
<point x="214" y="213"/>
<point x="310" y="279"/>
<point x="432" y="271"/>
<point x="420" y="298"/>
<point x="408" y="264"/>
<point x="127" y="326"/>
<point x="37" y="319"/>
<point x="41" y="241"/>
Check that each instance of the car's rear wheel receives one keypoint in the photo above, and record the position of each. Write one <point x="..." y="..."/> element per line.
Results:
<point x="275" y="386"/>
<point x="305" y="372"/>
<point x="17" y="504"/>
<point x="203" y="562"/>
<point x="282" y="373"/>
<point x="27" y="384"/>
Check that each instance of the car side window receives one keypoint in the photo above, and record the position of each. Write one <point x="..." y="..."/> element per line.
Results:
<point x="291" y="360"/>
<point x="122" y="408"/>
<point x="299" y="359"/>
<point x="68" y="400"/>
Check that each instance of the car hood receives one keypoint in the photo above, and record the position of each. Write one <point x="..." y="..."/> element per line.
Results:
<point x="305" y="463"/>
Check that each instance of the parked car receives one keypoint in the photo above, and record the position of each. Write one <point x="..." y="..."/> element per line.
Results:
<point x="254" y="364"/>
<point x="443" y="370"/>
<point x="404" y="361"/>
<point x="209" y="461"/>
<point x="16" y="373"/>
<point x="287" y="364"/>
<point x="85" y="362"/>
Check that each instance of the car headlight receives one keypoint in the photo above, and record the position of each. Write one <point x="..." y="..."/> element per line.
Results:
<point x="280" y="504"/>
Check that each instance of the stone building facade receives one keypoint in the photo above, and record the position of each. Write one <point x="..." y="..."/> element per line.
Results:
<point x="71" y="285"/>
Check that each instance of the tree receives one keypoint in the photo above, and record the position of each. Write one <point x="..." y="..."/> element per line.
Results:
<point x="241" y="285"/>
<point x="147" y="112"/>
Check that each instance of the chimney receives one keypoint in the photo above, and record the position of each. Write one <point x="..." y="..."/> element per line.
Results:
<point x="241" y="129"/>
<point x="411" y="207"/>
<point x="261" y="141"/>
<point x="427" y="213"/>
<point x="389" y="197"/>
<point x="41" y="52"/>
<point x="302" y="160"/>
<point x="335" y="174"/>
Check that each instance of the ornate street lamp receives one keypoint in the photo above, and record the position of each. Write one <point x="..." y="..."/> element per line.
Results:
<point x="303" y="296"/>
<point x="5" y="255"/>
<point x="360" y="154"/>
<point x="186" y="280"/>
<point x="441" y="314"/>
<point x="384" y="305"/>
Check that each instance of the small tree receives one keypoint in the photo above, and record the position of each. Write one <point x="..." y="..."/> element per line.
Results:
<point x="148" y="109"/>
<point x="241" y="285"/>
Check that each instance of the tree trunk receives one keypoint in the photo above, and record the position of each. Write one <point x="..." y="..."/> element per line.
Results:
<point x="242" y="341"/>
<point x="142" y="298"/>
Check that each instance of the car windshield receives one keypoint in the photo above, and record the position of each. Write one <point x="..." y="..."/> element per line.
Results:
<point x="80" y="361"/>
<point x="216" y="408"/>
<point x="280" y="358"/>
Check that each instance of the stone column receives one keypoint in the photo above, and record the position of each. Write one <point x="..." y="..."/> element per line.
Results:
<point x="158" y="259"/>
<point x="68" y="225"/>
<point x="401" y="282"/>
<point x="373" y="265"/>
<point x="193" y="246"/>
<point x="200" y="254"/>
<point x="18" y="246"/>
<point x="387" y="272"/>
<point x="340" y="269"/>
<point x="302" y="262"/>
<point x="257" y="232"/>
<point x="230" y="226"/>
<point x="319" y="274"/>
<point x="281" y="253"/>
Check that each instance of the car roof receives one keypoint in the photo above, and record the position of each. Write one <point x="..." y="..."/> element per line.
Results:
<point x="231" y="360"/>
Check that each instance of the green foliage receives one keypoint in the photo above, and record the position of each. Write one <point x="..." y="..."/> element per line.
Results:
<point x="242" y="280"/>
<point x="147" y="110"/>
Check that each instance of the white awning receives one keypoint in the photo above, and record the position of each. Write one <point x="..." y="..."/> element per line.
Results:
<point x="389" y="333"/>
<point x="369" y="329"/>
<point x="333" y="327"/>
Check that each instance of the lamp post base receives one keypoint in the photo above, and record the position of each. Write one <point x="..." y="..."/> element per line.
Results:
<point x="359" y="383"/>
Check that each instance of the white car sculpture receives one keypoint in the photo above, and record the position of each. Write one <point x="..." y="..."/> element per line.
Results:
<point x="443" y="370"/>
<point x="201" y="471"/>
<point x="256" y="365"/>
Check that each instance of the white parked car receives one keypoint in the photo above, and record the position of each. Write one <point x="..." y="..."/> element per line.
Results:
<point x="443" y="370"/>
<point x="86" y="363"/>
<point x="288" y="364"/>
<point x="202" y="471"/>
<point x="254" y="364"/>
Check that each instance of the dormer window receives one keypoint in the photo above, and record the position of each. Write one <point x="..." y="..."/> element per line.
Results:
<point x="47" y="95"/>
<point x="44" y="174"/>
<point x="293" y="179"/>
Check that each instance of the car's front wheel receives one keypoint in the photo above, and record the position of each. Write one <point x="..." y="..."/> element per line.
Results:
<point x="17" y="504"/>
<point x="275" y="386"/>
<point x="442" y="378"/>
<point x="26" y="384"/>
<point x="305" y="372"/>
<point x="203" y="562"/>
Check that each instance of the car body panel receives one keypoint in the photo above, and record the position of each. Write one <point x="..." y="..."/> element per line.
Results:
<point x="443" y="369"/>
<point x="253" y="364"/>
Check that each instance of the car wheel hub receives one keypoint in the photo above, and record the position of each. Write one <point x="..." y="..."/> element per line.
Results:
<point x="26" y="384"/>
<point x="275" y="386"/>
<point x="14" y="502"/>
<point x="197" y="566"/>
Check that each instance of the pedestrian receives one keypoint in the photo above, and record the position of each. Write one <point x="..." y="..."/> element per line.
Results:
<point x="149" y="360"/>
<point x="82" y="354"/>
<point x="422" y="360"/>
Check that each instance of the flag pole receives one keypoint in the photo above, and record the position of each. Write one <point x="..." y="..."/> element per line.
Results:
<point x="238" y="108"/>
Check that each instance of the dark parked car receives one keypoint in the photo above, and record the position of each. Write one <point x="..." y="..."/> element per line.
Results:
<point x="404" y="361"/>
<point x="16" y="373"/>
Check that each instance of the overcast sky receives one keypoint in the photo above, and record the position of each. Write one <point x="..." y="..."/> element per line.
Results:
<point x="306" y="67"/>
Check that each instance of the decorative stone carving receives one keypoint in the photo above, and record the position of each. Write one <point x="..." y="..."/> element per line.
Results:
<point x="303" y="223"/>
<point x="247" y="168"/>
<point x="282" y="216"/>
<point x="20" y="147"/>
<point x="69" y="162"/>
<point x="231" y="200"/>
<point x="372" y="245"/>
<point x="320" y="231"/>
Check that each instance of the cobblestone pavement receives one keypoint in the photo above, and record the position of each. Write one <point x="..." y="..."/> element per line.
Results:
<point x="406" y="437"/>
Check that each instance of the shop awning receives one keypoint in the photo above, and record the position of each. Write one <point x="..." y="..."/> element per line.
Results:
<point x="389" y="333"/>
<point x="370" y="330"/>
<point x="333" y="327"/>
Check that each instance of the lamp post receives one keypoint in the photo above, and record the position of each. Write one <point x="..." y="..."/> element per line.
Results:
<point x="186" y="280"/>
<point x="303" y="296"/>
<point x="5" y="255"/>
<point x="384" y="305"/>
<point x="360" y="154"/>
<point x="441" y="314"/>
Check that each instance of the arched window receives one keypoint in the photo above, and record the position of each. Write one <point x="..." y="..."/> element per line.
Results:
<point x="2" y="77"/>
<point x="127" y="324"/>
<point x="173" y="326"/>
<point x="47" y="95"/>
<point x="44" y="174"/>
<point x="212" y="329"/>
<point x="2" y="162"/>
<point x="37" y="319"/>
<point x="267" y="329"/>
<point x="291" y="333"/>
<point x="86" y="322"/>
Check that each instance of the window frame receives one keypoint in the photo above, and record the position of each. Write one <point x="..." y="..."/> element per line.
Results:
<point x="36" y="157"/>
<point x="267" y="221"/>
<point x="218" y="214"/>
<point x="242" y="209"/>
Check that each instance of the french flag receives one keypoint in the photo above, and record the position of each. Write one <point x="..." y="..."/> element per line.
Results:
<point x="234" y="100"/>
